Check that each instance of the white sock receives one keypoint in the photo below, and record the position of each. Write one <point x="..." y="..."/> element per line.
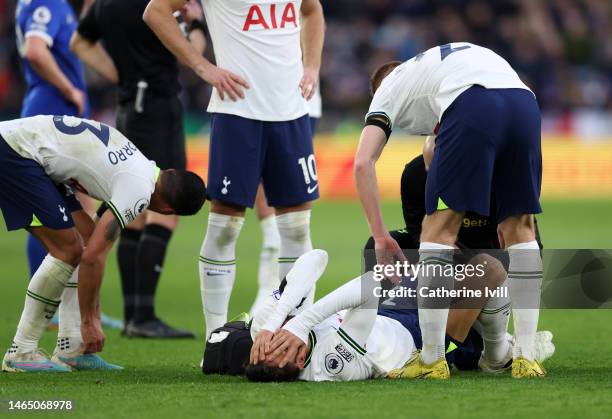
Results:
<point x="294" y="231"/>
<point x="267" y="276"/>
<point x="218" y="267"/>
<point x="41" y="303"/>
<point x="69" y="334"/>
<point x="494" y="327"/>
<point x="433" y="320"/>
<point x="525" y="287"/>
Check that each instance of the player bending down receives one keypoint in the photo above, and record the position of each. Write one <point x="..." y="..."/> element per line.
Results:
<point x="40" y="159"/>
<point x="321" y="343"/>
<point x="477" y="234"/>
<point x="488" y="150"/>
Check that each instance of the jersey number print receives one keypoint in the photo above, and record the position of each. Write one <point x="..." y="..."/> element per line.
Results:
<point x="102" y="133"/>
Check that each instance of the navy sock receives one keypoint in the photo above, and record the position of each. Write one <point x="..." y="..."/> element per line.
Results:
<point x="126" y="257"/>
<point x="150" y="261"/>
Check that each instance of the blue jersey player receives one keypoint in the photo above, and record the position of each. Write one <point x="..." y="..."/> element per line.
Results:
<point x="54" y="75"/>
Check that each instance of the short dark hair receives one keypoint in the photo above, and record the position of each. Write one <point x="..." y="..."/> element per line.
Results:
<point x="184" y="191"/>
<point x="262" y="373"/>
<point x="380" y="73"/>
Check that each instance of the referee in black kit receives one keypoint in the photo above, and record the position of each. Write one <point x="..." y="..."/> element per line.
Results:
<point x="150" y="114"/>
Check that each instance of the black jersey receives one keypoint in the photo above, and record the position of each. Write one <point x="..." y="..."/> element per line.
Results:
<point x="136" y="51"/>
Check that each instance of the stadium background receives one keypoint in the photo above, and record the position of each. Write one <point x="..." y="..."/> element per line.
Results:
<point x="561" y="48"/>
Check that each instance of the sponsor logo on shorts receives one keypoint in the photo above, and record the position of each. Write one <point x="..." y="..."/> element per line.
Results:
<point x="311" y="189"/>
<point x="333" y="364"/>
<point x="344" y="353"/>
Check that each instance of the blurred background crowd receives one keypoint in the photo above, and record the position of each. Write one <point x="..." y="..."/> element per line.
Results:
<point x="561" y="48"/>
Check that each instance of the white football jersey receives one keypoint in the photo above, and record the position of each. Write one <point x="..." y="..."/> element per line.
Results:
<point x="91" y="157"/>
<point x="315" y="105"/>
<point x="336" y="357"/>
<point x="416" y="94"/>
<point x="259" y="40"/>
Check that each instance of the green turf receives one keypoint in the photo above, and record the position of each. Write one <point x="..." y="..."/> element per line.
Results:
<point x="162" y="378"/>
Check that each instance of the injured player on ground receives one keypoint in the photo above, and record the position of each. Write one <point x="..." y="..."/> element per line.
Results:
<point x="349" y="335"/>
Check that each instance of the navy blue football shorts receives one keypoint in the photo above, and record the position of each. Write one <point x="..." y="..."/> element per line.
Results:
<point x="28" y="196"/>
<point x="245" y="152"/>
<point x="488" y="154"/>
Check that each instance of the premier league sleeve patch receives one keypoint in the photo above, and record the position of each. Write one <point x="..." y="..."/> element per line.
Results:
<point x="334" y="364"/>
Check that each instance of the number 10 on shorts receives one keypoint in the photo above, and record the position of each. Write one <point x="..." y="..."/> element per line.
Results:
<point x="309" y="168"/>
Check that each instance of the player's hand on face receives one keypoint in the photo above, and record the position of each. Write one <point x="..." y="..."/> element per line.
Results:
<point x="192" y="11"/>
<point x="309" y="83"/>
<point x="93" y="337"/>
<point x="285" y="348"/>
<point x="387" y="253"/>
<point x="226" y="82"/>
<point x="261" y="346"/>
<point x="77" y="98"/>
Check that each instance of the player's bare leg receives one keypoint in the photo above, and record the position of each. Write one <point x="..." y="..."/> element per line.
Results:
<point x="267" y="275"/>
<point x="218" y="261"/>
<point x="524" y="283"/>
<point x="42" y="300"/>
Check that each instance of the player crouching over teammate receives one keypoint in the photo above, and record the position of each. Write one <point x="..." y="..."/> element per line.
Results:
<point x="40" y="159"/>
<point x="324" y="343"/>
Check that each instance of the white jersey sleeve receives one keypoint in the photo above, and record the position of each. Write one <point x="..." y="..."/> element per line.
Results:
<point x="130" y="197"/>
<point x="352" y="295"/>
<point x="333" y="357"/>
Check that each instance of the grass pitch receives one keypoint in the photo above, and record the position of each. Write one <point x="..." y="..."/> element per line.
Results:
<point x="162" y="379"/>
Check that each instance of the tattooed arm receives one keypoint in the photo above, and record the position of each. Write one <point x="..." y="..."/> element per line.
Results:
<point x="91" y="272"/>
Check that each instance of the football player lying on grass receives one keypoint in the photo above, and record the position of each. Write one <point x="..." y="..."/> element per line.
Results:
<point x="347" y="336"/>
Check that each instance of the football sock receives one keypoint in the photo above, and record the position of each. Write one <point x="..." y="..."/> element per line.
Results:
<point x="525" y="284"/>
<point x="294" y="231"/>
<point x="126" y="258"/>
<point x="267" y="275"/>
<point x="218" y="267"/>
<point x="41" y="303"/>
<point x="493" y="320"/>
<point x="69" y="333"/>
<point x="36" y="253"/>
<point x="149" y="263"/>
<point x="433" y="312"/>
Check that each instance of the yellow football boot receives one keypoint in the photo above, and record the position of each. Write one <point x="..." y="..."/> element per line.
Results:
<point x="416" y="368"/>
<point x="523" y="368"/>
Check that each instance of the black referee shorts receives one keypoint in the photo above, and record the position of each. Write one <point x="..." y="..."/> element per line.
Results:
<point x="157" y="131"/>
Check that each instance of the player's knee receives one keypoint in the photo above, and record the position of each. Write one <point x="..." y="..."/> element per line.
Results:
<point x="441" y="227"/>
<point x="70" y="252"/>
<point x="518" y="229"/>
<point x="495" y="274"/>
<point x="294" y="226"/>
